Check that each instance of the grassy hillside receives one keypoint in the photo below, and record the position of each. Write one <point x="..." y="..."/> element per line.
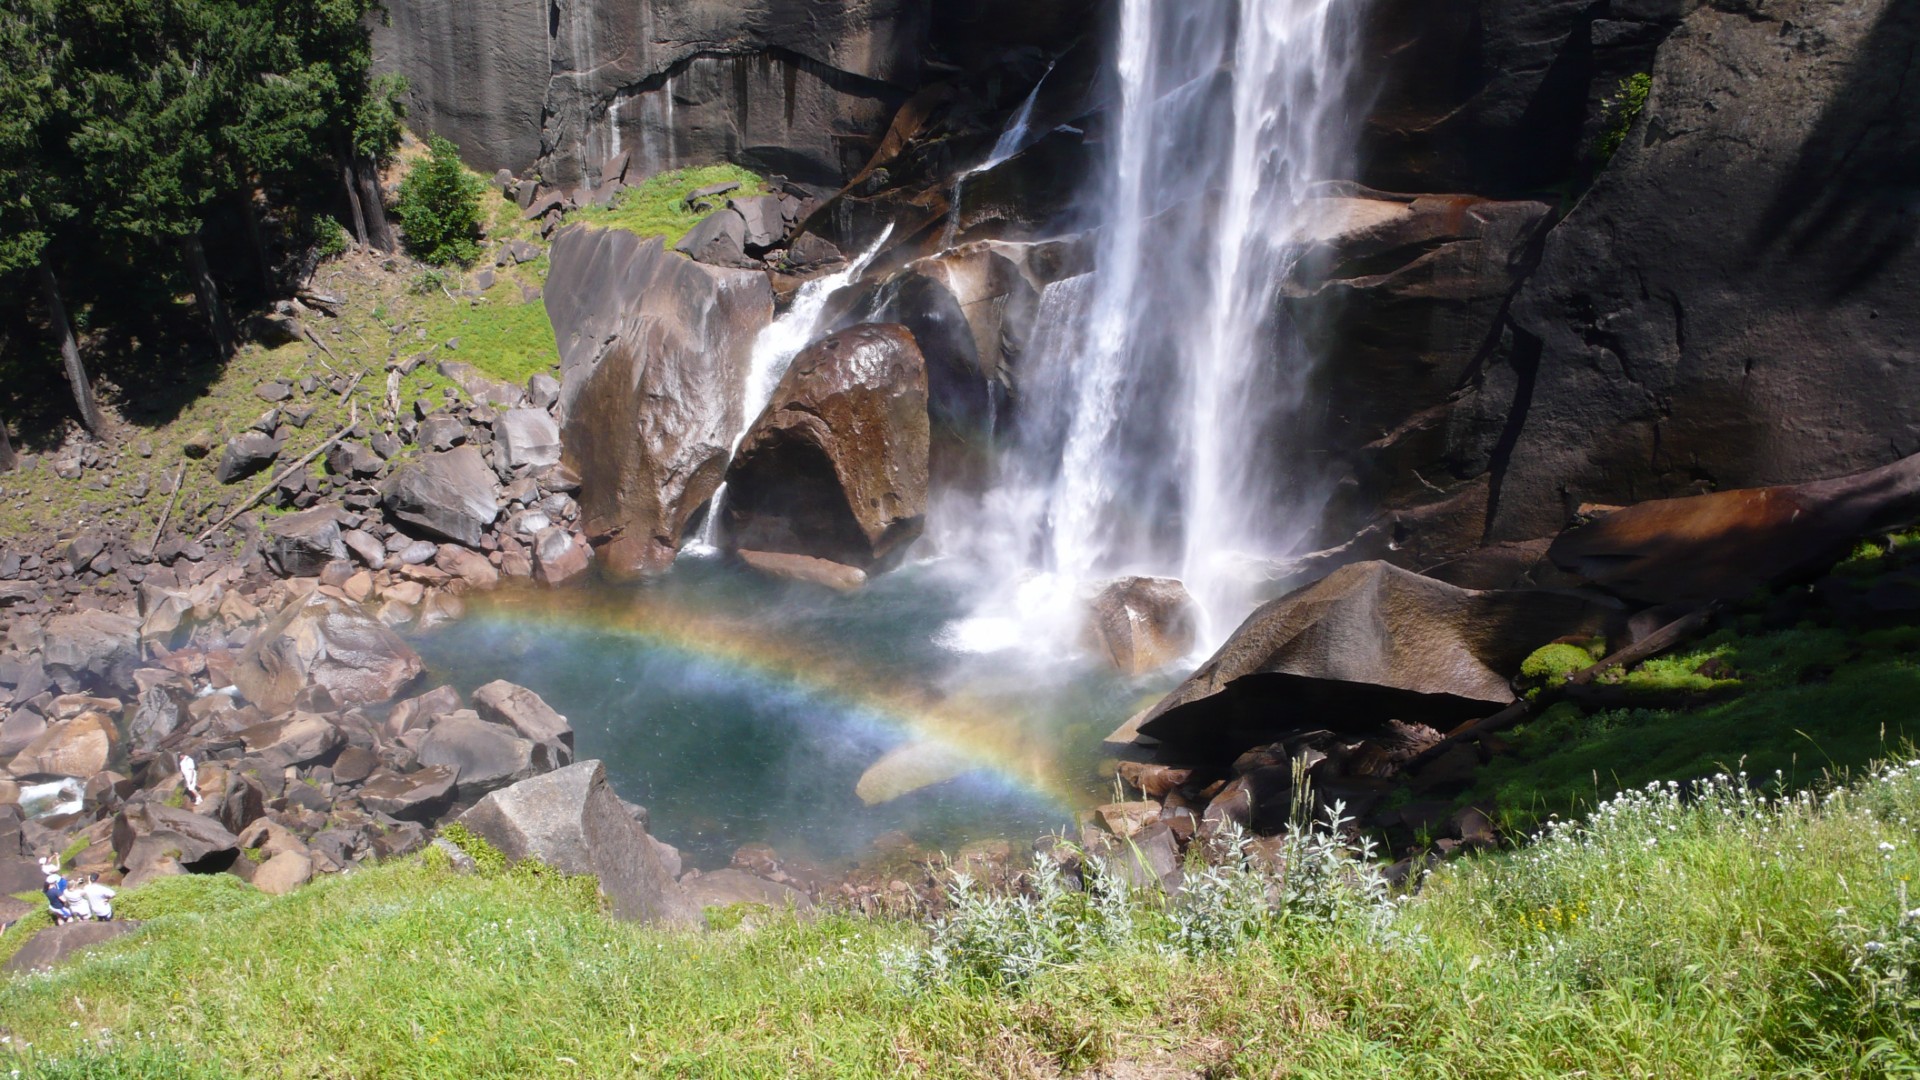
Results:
<point x="390" y="308"/>
<point x="1712" y="935"/>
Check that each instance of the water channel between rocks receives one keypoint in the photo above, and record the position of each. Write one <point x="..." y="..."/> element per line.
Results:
<point x="740" y="710"/>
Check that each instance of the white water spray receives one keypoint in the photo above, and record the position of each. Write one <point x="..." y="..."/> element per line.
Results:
<point x="1157" y="432"/>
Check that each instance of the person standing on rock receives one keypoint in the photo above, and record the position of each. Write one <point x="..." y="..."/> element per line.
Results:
<point x="190" y="777"/>
<point x="56" y="893"/>
<point x="97" y="899"/>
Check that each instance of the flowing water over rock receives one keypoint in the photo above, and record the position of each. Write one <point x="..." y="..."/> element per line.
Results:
<point x="1160" y="398"/>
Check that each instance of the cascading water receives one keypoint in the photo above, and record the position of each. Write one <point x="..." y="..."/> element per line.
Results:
<point x="1154" y="434"/>
<point x="773" y="351"/>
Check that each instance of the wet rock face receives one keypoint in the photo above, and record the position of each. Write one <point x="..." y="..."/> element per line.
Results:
<point x="654" y="351"/>
<point x="836" y="468"/>
<point x="1142" y="624"/>
<point x="798" y="87"/>
<point x="1401" y="298"/>
<point x="1732" y="303"/>
<point x="1496" y="97"/>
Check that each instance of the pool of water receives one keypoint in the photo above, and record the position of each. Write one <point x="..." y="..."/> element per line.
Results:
<point x="739" y="709"/>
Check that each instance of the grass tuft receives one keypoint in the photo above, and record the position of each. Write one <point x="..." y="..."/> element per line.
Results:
<point x="657" y="205"/>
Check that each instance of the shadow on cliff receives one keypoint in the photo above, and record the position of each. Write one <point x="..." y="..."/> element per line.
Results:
<point x="1850" y="205"/>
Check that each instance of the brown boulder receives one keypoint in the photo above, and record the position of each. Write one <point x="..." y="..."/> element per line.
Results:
<point x="147" y="832"/>
<point x="415" y="796"/>
<point x="329" y="644"/>
<point x="836" y="467"/>
<point x="1142" y="624"/>
<point x="654" y="351"/>
<point x="1724" y="545"/>
<point x="1367" y="644"/>
<point x="81" y="746"/>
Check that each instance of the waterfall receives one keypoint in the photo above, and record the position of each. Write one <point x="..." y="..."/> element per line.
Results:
<point x="773" y="351"/>
<point x="1012" y="140"/>
<point x="1159" y="428"/>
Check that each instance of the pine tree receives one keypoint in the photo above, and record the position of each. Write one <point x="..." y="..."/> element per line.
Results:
<point x="440" y="207"/>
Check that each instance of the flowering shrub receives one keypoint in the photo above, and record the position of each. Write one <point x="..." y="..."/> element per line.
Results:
<point x="1312" y="878"/>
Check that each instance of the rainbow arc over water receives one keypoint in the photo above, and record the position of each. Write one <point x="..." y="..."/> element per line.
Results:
<point x="948" y="735"/>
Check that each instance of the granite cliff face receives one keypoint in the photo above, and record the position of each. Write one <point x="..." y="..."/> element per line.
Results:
<point x="578" y="90"/>
<point x="1507" y="325"/>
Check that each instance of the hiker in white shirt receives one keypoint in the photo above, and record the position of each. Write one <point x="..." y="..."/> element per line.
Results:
<point x="97" y="899"/>
<point x="190" y="776"/>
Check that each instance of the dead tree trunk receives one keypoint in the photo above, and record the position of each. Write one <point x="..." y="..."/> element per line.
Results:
<point x="356" y="217"/>
<point x="7" y="458"/>
<point x="207" y="293"/>
<point x="256" y="238"/>
<point x="373" y="204"/>
<point x="70" y="350"/>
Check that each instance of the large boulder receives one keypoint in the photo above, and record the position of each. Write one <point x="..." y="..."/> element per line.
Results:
<point x="1732" y="304"/>
<point x="836" y="467"/>
<point x="524" y="711"/>
<point x="297" y="739"/>
<point x="299" y="545"/>
<point x="654" y="351"/>
<point x="422" y="795"/>
<point x="484" y="756"/>
<point x="79" y="747"/>
<point x="451" y="494"/>
<point x="92" y="649"/>
<point x="1367" y="644"/>
<point x="972" y="311"/>
<point x="1142" y="624"/>
<point x="56" y="945"/>
<point x="527" y="437"/>
<point x="572" y="821"/>
<point x="147" y="832"/>
<point x="324" y="643"/>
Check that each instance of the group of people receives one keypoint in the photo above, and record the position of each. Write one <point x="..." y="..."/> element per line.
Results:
<point x="82" y="899"/>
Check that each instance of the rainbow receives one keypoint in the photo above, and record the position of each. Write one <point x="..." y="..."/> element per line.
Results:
<point x="946" y="736"/>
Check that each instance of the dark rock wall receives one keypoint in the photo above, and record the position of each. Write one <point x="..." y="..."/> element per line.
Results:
<point x="1733" y="302"/>
<point x="1727" y="302"/>
<point x="804" y="88"/>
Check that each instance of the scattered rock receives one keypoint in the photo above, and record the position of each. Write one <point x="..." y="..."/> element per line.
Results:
<point x="245" y="455"/>
<point x="527" y="437"/>
<point x="299" y="545"/>
<point x="326" y="643"/>
<point x="485" y="756"/>
<point x="572" y="821"/>
<point x="524" y="711"/>
<point x="451" y="494"/>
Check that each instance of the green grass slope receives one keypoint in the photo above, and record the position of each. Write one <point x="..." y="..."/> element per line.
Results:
<point x="1715" y="934"/>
